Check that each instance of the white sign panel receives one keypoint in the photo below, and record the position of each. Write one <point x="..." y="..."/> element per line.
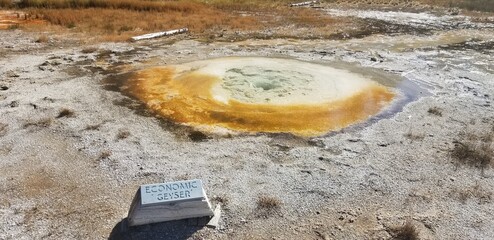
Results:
<point x="171" y="192"/>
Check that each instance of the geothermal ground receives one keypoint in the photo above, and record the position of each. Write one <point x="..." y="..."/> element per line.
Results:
<point x="77" y="139"/>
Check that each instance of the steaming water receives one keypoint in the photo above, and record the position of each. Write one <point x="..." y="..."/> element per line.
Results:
<point x="252" y="94"/>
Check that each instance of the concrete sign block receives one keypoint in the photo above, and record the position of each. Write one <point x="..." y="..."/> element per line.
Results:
<point x="169" y="201"/>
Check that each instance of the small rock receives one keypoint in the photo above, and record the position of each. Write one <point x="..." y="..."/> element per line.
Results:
<point x="373" y="59"/>
<point x="14" y="104"/>
<point x="214" y="222"/>
<point x="3" y="88"/>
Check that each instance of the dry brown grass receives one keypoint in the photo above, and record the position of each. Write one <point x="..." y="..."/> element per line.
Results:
<point x="473" y="154"/>
<point x="435" y="111"/>
<point x="268" y="202"/>
<point x="406" y="232"/>
<point x="89" y="50"/>
<point x="65" y="112"/>
<point x="474" y="147"/>
<point x="6" y="3"/>
<point x="123" y="134"/>
<point x="267" y="206"/>
<point x="118" y="20"/>
<point x="224" y="200"/>
<point x="42" y="39"/>
<point x="476" y="191"/>
<point x="43" y="122"/>
<point x="414" y="136"/>
<point x="3" y="129"/>
<point x="105" y="154"/>
<point x="93" y="127"/>
<point x="135" y="5"/>
<point x="110" y="23"/>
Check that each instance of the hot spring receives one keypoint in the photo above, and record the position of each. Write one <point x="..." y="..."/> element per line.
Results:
<point x="254" y="94"/>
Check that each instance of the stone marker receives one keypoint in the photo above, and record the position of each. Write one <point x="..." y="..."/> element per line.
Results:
<point x="162" y="202"/>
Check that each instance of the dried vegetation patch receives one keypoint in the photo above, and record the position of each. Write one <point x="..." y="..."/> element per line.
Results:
<point x="41" y="123"/>
<point x="65" y="112"/>
<point x="477" y="192"/>
<point x="435" y="111"/>
<point x="406" y="232"/>
<point x="123" y="134"/>
<point x="117" y="20"/>
<point x="474" y="149"/>
<point x="268" y="206"/>
<point x="414" y="136"/>
<point x="42" y="39"/>
<point x="3" y="129"/>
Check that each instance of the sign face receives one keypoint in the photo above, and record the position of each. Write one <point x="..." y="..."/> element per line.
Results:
<point x="171" y="191"/>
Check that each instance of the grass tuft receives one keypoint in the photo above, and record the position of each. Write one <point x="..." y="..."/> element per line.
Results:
<point x="42" y="39"/>
<point x="93" y="127"/>
<point x="267" y="206"/>
<point x="65" y="113"/>
<point x="43" y="122"/>
<point x="471" y="154"/>
<point x="123" y="134"/>
<point x="3" y="129"/>
<point x="435" y="111"/>
<point x="482" y="195"/>
<point x="105" y="154"/>
<point x="406" y="232"/>
<point x="414" y="136"/>
<point x="89" y="50"/>
<point x="221" y="199"/>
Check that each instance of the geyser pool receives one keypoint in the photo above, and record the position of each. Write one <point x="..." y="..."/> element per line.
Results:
<point x="254" y="94"/>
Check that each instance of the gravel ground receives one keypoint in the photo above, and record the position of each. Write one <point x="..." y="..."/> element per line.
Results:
<point x="73" y="150"/>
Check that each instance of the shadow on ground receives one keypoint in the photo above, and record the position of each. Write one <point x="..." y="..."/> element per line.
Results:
<point x="173" y="230"/>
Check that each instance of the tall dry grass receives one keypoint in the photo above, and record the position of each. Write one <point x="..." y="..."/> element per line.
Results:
<point x="119" y="20"/>
<point x="135" y="5"/>
<point x="6" y="3"/>
<point x="120" y="24"/>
